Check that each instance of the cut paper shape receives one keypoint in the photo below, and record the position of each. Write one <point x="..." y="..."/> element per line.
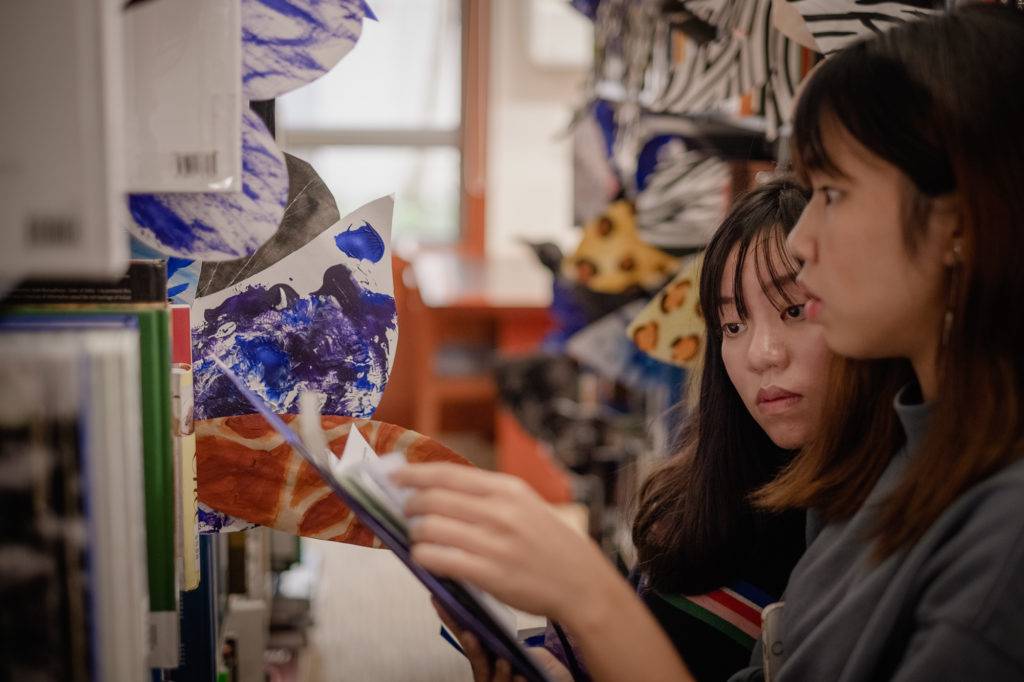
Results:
<point x="288" y="43"/>
<point x="604" y="348"/>
<point x="834" y="24"/>
<point x="218" y="226"/>
<point x="247" y="471"/>
<point x="317" y="320"/>
<point x="182" y="273"/>
<point x="311" y="209"/>
<point x="611" y="257"/>
<point x="748" y="55"/>
<point x="670" y="327"/>
<point x="685" y="198"/>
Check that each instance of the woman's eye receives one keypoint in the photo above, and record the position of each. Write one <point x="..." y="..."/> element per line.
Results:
<point x="831" y="194"/>
<point x="793" y="312"/>
<point x="732" y="328"/>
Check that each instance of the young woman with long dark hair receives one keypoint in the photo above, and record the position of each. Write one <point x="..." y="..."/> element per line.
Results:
<point x="913" y="143"/>
<point x="708" y="560"/>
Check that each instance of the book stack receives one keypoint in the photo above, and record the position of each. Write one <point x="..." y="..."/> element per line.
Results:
<point x="74" y="571"/>
<point x="148" y="406"/>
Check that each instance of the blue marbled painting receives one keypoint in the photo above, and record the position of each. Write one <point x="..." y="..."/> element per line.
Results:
<point x="219" y="226"/>
<point x="288" y="43"/>
<point x="333" y="341"/>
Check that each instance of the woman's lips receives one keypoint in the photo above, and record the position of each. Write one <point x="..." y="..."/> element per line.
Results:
<point x="814" y="305"/>
<point x="813" y="308"/>
<point x="773" y="400"/>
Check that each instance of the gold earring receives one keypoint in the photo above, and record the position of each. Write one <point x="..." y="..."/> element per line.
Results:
<point x="957" y="259"/>
<point x="955" y="255"/>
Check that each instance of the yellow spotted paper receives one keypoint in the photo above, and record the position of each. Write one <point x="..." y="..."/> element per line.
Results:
<point x="671" y="328"/>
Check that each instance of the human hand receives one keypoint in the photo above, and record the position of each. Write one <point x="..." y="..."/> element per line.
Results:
<point x="495" y="532"/>
<point x="480" y="662"/>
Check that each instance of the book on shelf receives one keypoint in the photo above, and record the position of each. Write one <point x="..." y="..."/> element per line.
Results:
<point x="183" y="400"/>
<point x="72" y="547"/>
<point x="361" y="480"/>
<point x="157" y="449"/>
<point x="183" y="96"/>
<point x="145" y="281"/>
<point x="62" y="195"/>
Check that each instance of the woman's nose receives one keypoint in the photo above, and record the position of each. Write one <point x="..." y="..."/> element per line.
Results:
<point x="800" y="242"/>
<point x="767" y="350"/>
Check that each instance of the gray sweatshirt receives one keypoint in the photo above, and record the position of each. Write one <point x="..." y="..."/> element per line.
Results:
<point x="949" y="608"/>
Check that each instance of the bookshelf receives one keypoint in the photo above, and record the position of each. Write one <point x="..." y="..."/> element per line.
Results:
<point x="105" y="574"/>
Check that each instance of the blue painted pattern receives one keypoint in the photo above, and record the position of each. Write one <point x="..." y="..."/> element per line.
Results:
<point x="219" y="226"/>
<point x="333" y="341"/>
<point x="361" y="243"/>
<point x="288" y="43"/>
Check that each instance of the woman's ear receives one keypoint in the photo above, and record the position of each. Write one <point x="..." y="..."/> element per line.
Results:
<point x="946" y="228"/>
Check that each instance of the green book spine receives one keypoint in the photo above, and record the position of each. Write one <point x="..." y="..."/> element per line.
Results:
<point x="158" y="456"/>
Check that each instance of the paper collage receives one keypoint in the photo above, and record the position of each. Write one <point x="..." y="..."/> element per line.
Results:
<point x="321" y="319"/>
<point x="670" y="328"/>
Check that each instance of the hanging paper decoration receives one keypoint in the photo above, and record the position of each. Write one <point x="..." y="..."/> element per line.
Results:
<point x="311" y="209"/>
<point x="670" y="327"/>
<point x="834" y="24"/>
<point x="605" y="348"/>
<point x="219" y="226"/>
<point x="288" y="43"/>
<point x="182" y="273"/>
<point x="734" y="63"/>
<point x="611" y="258"/>
<point x="747" y="56"/>
<point x="684" y="199"/>
<point x="249" y="475"/>
<point x="322" y="319"/>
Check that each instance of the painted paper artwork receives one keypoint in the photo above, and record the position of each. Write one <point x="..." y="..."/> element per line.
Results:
<point x="218" y="226"/>
<point x="834" y="24"/>
<point x="210" y="520"/>
<point x="247" y="471"/>
<point x="605" y="348"/>
<point x="288" y="43"/>
<point x="182" y="273"/>
<point x="322" y="319"/>
<point x="611" y="257"/>
<point x="670" y="327"/>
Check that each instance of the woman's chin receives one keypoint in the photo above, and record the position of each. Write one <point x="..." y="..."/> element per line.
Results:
<point x="788" y="436"/>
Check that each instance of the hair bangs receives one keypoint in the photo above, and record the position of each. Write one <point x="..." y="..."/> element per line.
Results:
<point x="774" y="268"/>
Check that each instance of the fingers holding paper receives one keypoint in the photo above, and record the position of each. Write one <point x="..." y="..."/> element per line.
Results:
<point x="481" y="663"/>
<point x="495" y="532"/>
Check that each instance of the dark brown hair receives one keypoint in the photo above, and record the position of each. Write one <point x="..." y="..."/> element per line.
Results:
<point x="943" y="101"/>
<point x="695" y="528"/>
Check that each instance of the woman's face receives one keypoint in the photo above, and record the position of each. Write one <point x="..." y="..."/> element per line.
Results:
<point x="777" y="361"/>
<point x="872" y="297"/>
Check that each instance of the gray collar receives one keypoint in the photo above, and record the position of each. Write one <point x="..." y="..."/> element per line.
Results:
<point x="913" y="415"/>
